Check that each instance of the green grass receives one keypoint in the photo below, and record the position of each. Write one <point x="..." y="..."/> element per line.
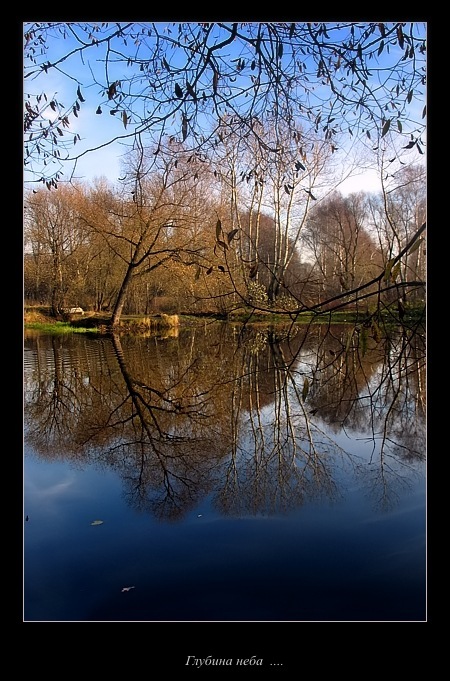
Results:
<point x="58" y="328"/>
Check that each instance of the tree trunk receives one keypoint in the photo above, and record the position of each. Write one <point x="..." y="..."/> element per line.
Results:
<point x="120" y="302"/>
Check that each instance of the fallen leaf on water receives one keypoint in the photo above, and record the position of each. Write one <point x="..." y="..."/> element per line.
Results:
<point x="127" y="588"/>
<point x="97" y="522"/>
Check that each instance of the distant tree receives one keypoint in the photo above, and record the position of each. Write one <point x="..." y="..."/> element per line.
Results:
<point x="398" y="214"/>
<point x="56" y="240"/>
<point x="266" y="200"/>
<point x="345" y="254"/>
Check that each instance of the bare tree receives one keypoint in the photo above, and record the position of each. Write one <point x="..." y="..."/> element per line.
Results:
<point x="398" y="214"/>
<point x="345" y="254"/>
<point x="56" y="241"/>
<point x="148" y="224"/>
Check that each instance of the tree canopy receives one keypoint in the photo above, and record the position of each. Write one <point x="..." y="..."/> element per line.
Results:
<point x="196" y="83"/>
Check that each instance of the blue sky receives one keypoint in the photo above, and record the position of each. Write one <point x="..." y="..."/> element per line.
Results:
<point x="95" y="129"/>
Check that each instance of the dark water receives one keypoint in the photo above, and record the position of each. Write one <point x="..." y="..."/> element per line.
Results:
<point x="239" y="474"/>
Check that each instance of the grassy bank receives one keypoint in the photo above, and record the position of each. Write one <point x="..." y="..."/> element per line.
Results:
<point x="39" y="318"/>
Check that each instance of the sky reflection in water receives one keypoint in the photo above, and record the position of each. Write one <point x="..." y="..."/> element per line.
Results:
<point x="344" y="541"/>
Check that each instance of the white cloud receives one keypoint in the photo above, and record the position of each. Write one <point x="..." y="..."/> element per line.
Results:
<point x="367" y="181"/>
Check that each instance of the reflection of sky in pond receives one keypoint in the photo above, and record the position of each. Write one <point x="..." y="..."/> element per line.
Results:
<point x="345" y="559"/>
<point x="292" y="525"/>
<point x="346" y="451"/>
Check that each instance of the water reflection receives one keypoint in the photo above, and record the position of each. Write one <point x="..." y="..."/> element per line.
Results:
<point x="258" y="418"/>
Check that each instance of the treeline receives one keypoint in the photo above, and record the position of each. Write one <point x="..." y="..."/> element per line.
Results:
<point x="177" y="236"/>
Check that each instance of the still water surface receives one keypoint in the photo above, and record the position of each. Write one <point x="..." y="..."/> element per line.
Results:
<point x="239" y="474"/>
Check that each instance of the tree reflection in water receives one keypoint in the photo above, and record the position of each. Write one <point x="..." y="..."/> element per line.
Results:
<point x="259" y="417"/>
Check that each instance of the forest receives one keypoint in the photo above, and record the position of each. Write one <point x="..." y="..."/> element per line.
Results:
<point x="179" y="249"/>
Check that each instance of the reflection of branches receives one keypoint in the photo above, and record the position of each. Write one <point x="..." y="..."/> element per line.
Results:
<point x="165" y="472"/>
<point x="399" y="433"/>
<point x="386" y="473"/>
<point x="278" y="463"/>
<point x="255" y="418"/>
<point x="53" y="398"/>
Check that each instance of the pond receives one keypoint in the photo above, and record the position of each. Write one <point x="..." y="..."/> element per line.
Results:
<point x="225" y="473"/>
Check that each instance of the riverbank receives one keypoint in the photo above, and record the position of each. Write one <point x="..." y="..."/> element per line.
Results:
<point x="40" y="318"/>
